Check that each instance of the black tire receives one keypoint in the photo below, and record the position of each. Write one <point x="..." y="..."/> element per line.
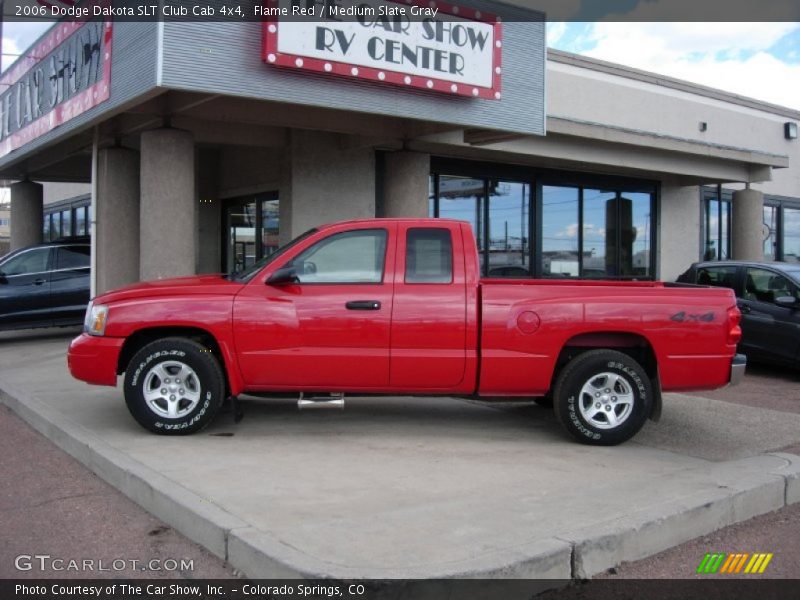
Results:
<point x="185" y="408"/>
<point x="585" y="376"/>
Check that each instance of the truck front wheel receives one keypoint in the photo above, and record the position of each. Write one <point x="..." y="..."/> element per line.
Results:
<point x="603" y="397"/>
<point x="174" y="386"/>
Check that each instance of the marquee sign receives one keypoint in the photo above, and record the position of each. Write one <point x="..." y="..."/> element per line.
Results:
<point x="65" y="74"/>
<point x="427" y="45"/>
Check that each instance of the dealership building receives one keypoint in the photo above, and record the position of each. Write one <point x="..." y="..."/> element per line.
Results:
<point x="198" y="147"/>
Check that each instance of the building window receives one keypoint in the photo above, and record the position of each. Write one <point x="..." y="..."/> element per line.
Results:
<point x="791" y="235"/>
<point x="81" y="220"/>
<point x="560" y="225"/>
<point x="66" y="223"/>
<point x="55" y="226"/>
<point x="550" y="230"/>
<point x="770" y="232"/>
<point x="509" y="252"/>
<point x="716" y="225"/>
<point x="252" y="228"/>
<point x="595" y="233"/>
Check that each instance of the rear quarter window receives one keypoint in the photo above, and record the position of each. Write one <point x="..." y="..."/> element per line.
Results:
<point x="717" y="276"/>
<point x="72" y="257"/>
<point x="429" y="256"/>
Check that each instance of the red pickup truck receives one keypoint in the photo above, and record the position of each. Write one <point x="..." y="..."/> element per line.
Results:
<point x="397" y="306"/>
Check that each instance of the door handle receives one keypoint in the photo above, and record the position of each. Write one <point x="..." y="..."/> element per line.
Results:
<point x="744" y="308"/>
<point x="39" y="281"/>
<point x="363" y="305"/>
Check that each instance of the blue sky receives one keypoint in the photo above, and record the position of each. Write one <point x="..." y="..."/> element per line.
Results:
<point x="760" y="60"/>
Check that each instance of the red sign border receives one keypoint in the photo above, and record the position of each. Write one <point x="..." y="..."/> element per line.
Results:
<point x="271" y="56"/>
<point x="92" y="96"/>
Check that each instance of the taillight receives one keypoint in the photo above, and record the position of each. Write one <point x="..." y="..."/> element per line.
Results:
<point x="734" y="331"/>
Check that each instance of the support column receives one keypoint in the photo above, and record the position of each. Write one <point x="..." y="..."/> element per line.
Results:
<point x="679" y="231"/>
<point x="747" y="212"/>
<point x="117" y="220"/>
<point x="168" y="210"/>
<point x="26" y="214"/>
<point x="329" y="181"/>
<point x="406" y="184"/>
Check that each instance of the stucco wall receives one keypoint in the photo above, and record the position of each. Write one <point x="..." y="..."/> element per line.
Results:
<point x="680" y="230"/>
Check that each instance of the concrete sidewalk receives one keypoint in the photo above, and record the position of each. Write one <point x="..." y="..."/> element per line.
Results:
<point x="402" y="487"/>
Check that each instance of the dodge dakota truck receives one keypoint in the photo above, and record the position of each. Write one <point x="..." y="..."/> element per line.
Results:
<point x="397" y="306"/>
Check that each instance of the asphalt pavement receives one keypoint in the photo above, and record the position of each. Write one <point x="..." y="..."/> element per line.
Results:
<point x="53" y="509"/>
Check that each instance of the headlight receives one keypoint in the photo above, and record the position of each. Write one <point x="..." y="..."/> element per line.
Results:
<point x="96" y="317"/>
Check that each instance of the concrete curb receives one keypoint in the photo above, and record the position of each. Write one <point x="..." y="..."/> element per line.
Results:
<point x="741" y="490"/>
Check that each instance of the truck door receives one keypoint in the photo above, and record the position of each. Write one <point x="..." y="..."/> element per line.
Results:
<point x="329" y="329"/>
<point x="429" y="314"/>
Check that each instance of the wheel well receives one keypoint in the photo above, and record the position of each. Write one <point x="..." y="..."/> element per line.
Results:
<point x="141" y="338"/>
<point x="635" y="346"/>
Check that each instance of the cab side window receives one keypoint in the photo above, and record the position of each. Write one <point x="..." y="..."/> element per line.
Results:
<point x="762" y="285"/>
<point x="717" y="276"/>
<point x="348" y="257"/>
<point x="429" y="256"/>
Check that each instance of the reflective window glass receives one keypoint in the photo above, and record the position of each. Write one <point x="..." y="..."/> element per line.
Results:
<point x="509" y="229"/>
<point x="716" y="229"/>
<point x="55" y="226"/>
<point x="769" y="232"/>
<point x="635" y="234"/>
<point x="791" y="235"/>
<point x="763" y="285"/>
<point x="600" y="210"/>
<point x="717" y="276"/>
<point x="72" y="257"/>
<point x="26" y="263"/>
<point x="429" y="256"/>
<point x="348" y="257"/>
<point x="66" y="223"/>
<point x="560" y="231"/>
<point x="463" y="198"/>
<point x="270" y="227"/>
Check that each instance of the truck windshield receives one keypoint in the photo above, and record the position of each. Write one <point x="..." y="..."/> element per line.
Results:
<point x="248" y="273"/>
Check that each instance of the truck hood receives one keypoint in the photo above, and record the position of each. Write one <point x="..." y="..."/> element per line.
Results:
<point x="178" y="286"/>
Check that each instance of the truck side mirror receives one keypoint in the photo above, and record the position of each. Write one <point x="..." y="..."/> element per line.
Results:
<point x="283" y="276"/>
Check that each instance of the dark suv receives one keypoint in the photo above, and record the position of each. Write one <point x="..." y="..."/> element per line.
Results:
<point x="768" y="296"/>
<point x="45" y="285"/>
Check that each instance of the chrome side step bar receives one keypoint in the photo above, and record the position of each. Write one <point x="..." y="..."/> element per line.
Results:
<point x="329" y="401"/>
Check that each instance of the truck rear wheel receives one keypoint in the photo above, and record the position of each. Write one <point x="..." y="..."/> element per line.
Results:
<point x="174" y="386"/>
<point x="603" y="397"/>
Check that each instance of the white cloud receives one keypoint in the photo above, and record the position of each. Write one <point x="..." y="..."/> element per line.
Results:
<point x="728" y="56"/>
<point x="555" y="31"/>
<point x="18" y="37"/>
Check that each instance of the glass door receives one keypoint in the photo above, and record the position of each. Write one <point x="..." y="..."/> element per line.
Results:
<point x="252" y="226"/>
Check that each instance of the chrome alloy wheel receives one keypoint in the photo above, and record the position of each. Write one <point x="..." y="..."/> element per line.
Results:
<point x="171" y="389"/>
<point x="606" y="400"/>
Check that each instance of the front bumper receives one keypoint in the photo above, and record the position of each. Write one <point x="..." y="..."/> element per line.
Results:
<point x="93" y="359"/>
<point x="738" y="366"/>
